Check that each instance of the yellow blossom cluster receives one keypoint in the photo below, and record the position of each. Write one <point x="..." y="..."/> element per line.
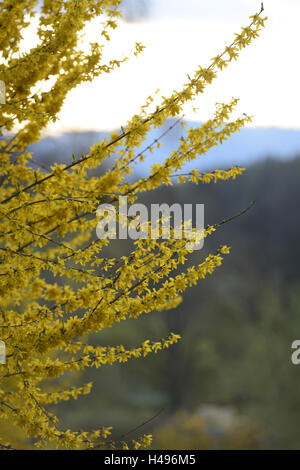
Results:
<point x="56" y="286"/>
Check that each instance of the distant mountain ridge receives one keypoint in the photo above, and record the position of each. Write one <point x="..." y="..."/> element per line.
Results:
<point x="244" y="148"/>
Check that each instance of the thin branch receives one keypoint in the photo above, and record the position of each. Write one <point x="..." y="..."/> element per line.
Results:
<point x="224" y="221"/>
<point x="121" y="438"/>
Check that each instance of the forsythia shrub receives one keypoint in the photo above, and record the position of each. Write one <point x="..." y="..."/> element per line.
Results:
<point x="48" y="217"/>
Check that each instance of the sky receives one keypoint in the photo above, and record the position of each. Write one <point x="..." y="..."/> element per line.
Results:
<point x="180" y="35"/>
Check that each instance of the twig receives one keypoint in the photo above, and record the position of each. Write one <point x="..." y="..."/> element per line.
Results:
<point x="120" y="438"/>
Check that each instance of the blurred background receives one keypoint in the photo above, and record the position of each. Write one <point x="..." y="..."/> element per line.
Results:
<point x="229" y="383"/>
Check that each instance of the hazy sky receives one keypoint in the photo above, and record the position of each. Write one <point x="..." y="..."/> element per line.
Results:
<point x="179" y="35"/>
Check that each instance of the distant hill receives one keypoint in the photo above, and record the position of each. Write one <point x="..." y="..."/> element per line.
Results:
<point x="248" y="146"/>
